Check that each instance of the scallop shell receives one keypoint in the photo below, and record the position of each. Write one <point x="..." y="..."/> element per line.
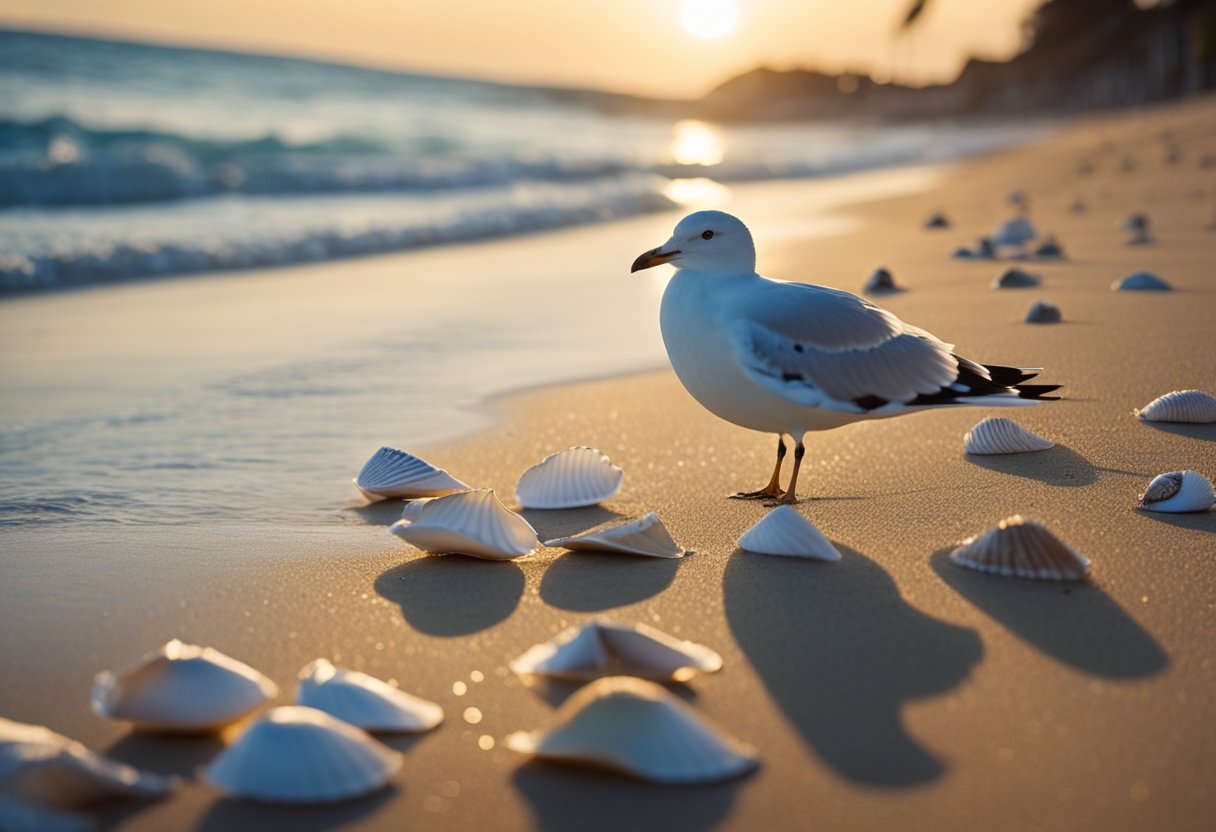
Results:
<point x="1178" y="492"/>
<point x="39" y="768"/>
<point x="608" y="648"/>
<point x="637" y="728"/>
<point x="998" y="435"/>
<point x="569" y="479"/>
<point x="1043" y="313"/>
<point x="783" y="531"/>
<point x="302" y="755"/>
<point x="937" y="220"/>
<point x="1192" y="406"/>
<point x="181" y="687"/>
<point x="1141" y="282"/>
<point x="394" y="473"/>
<point x="1021" y="548"/>
<point x="470" y="523"/>
<point x="646" y="536"/>
<point x="882" y="281"/>
<point x="1136" y="222"/>
<point x="364" y="701"/>
<point x="1016" y="279"/>
<point x="1015" y="232"/>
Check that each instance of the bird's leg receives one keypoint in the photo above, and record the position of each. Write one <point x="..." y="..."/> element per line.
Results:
<point x="773" y="489"/>
<point x="791" y="493"/>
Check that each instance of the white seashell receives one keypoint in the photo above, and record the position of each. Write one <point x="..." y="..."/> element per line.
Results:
<point x="1021" y="548"/>
<point x="1043" y="313"/>
<point x="1192" y="406"/>
<point x="783" y="531"/>
<point x="998" y="435"/>
<point x="394" y="473"/>
<point x="1141" y="282"/>
<point x="1015" y="232"/>
<point x="364" y="701"/>
<point x="882" y="281"/>
<point x="1178" y="492"/>
<point x="1016" y="279"/>
<point x="40" y="769"/>
<point x="646" y="536"/>
<point x="302" y="755"/>
<point x="181" y="687"/>
<point x="569" y="479"/>
<point x="470" y="523"/>
<point x="608" y="648"/>
<point x="636" y="727"/>
<point x="17" y="815"/>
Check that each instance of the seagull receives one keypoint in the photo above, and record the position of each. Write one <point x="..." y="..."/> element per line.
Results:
<point x="787" y="358"/>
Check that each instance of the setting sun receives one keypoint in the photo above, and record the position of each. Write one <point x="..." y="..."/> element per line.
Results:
<point x="709" y="19"/>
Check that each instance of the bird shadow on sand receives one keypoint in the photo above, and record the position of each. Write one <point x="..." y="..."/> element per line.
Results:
<point x="594" y="581"/>
<point x="232" y="815"/>
<point x="452" y="595"/>
<point x="1207" y="433"/>
<point x="1075" y="623"/>
<point x="564" y="798"/>
<point x="841" y="653"/>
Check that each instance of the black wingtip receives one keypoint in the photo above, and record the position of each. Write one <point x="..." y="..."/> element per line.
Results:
<point x="1037" y="391"/>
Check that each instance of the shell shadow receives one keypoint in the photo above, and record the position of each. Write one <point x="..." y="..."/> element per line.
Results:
<point x="178" y="754"/>
<point x="594" y="581"/>
<point x="555" y="523"/>
<point x="1205" y="432"/>
<point x="231" y="815"/>
<point x="452" y="595"/>
<point x="554" y="692"/>
<point x="382" y="513"/>
<point x="841" y="652"/>
<point x="1200" y="521"/>
<point x="1056" y="466"/>
<point x="1077" y="624"/>
<point x="564" y="798"/>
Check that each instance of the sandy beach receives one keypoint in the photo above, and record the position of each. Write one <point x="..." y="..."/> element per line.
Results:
<point x="889" y="690"/>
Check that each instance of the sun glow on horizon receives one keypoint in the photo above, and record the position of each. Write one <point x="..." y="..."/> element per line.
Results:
<point x="709" y="19"/>
<point x="696" y="143"/>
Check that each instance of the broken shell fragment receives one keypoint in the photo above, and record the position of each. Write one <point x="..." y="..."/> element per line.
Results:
<point x="1016" y="279"/>
<point x="181" y="687"/>
<point x="302" y="755"/>
<point x="785" y="532"/>
<point x="1141" y="282"/>
<point x="998" y="435"/>
<point x="646" y="536"/>
<point x="609" y="648"/>
<point x="571" y="478"/>
<point x="364" y="701"/>
<point x="1043" y="313"/>
<point x="1021" y="548"/>
<point x="1192" y="406"/>
<point x="393" y="473"/>
<point x="1178" y="492"/>
<point x="881" y="282"/>
<point x="470" y="523"/>
<point x="636" y="727"/>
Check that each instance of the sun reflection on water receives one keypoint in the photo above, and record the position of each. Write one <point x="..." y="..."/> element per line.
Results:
<point x="696" y="143"/>
<point x="697" y="193"/>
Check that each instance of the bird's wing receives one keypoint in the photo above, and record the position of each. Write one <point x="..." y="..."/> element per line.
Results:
<point x="826" y="348"/>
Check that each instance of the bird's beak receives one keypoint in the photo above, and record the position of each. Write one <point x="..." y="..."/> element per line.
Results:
<point x="654" y="257"/>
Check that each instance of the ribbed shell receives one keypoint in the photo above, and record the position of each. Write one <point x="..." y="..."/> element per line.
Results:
<point x="41" y="767"/>
<point x="470" y="523"/>
<point x="364" y="701"/>
<point x="998" y="435"/>
<point x="646" y="536"/>
<point x="609" y="648"/>
<point x="636" y="727"/>
<point x="394" y="473"/>
<point x="1015" y="232"/>
<point x="1015" y="279"/>
<point x="571" y="478"/>
<point x="1141" y="282"/>
<point x="1021" y="548"/>
<point x="181" y="687"/>
<point x="1043" y="313"/>
<point x="1178" y="492"/>
<point x="783" y="531"/>
<point x="880" y="282"/>
<point x="302" y="755"/>
<point x="1193" y="406"/>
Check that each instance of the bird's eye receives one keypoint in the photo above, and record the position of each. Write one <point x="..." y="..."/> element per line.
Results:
<point x="708" y="235"/>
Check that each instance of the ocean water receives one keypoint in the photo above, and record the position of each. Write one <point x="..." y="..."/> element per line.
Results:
<point x="120" y="161"/>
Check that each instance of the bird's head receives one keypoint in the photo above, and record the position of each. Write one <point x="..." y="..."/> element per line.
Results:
<point x="711" y="242"/>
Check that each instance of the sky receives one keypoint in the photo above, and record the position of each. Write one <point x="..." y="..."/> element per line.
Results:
<point x="636" y="46"/>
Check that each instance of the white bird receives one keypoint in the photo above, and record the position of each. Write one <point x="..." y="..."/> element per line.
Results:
<point x="787" y="358"/>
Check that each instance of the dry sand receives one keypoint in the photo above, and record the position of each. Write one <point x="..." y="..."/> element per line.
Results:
<point x="890" y="690"/>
